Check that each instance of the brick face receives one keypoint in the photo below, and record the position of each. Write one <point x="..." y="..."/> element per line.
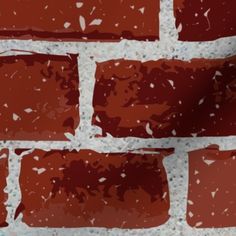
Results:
<point x="3" y="196"/>
<point x="39" y="97"/>
<point x="212" y="192"/>
<point x="200" y="20"/>
<point x="84" y="189"/>
<point x="165" y="98"/>
<point x="80" y="20"/>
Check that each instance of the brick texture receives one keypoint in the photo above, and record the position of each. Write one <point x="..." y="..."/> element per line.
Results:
<point x="39" y="97"/>
<point x="90" y="189"/>
<point x="212" y="188"/>
<point x="56" y="186"/>
<point x="83" y="20"/>
<point x="165" y="98"/>
<point x="3" y="196"/>
<point x="202" y="20"/>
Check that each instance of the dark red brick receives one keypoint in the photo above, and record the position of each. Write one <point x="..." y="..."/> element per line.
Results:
<point x="90" y="189"/>
<point x="202" y="20"/>
<point x="212" y="188"/>
<point x="80" y="20"/>
<point x="3" y="196"/>
<point x="166" y="98"/>
<point x="39" y="97"/>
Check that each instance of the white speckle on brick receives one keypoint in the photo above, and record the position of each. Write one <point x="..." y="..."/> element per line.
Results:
<point x="148" y="129"/>
<point x="201" y="101"/>
<point x="39" y="170"/>
<point x="101" y="180"/>
<point x="174" y="132"/>
<point x="79" y="4"/>
<point x="142" y="9"/>
<point x="96" y="22"/>
<point x="28" y="110"/>
<point x="123" y="175"/>
<point x="67" y="25"/>
<point x="190" y="214"/>
<point x="15" y="117"/>
<point x="208" y="162"/>
<point x="152" y="85"/>
<point x="198" y="224"/>
<point x="82" y="23"/>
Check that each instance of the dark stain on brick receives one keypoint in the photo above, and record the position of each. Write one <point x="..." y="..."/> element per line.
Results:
<point x="69" y="123"/>
<point x="19" y="151"/>
<point x="205" y="20"/>
<point x="86" y="176"/>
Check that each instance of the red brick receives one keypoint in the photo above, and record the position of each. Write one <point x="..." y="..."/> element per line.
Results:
<point x="39" y="97"/>
<point x="212" y="188"/>
<point x="3" y="196"/>
<point x="165" y="98"/>
<point x="200" y="20"/>
<point x="84" y="189"/>
<point x="80" y="20"/>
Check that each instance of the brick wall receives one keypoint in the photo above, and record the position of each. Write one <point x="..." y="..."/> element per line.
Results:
<point x="83" y="122"/>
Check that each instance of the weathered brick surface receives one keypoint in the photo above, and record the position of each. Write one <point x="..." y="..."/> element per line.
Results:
<point x="39" y="97"/>
<point x="90" y="189"/>
<point x="3" y="196"/>
<point x="73" y="20"/>
<point x="202" y="20"/>
<point x="39" y="101"/>
<point x="165" y="98"/>
<point x="212" y="188"/>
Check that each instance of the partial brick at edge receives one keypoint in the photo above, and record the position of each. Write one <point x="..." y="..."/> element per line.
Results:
<point x="96" y="20"/>
<point x="3" y="196"/>
<point x="212" y="188"/>
<point x="198" y="20"/>
<point x="166" y="98"/>
<point x="39" y="97"/>
<point x="90" y="189"/>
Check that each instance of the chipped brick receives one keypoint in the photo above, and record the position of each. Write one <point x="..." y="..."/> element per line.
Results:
<point x="77" y="20"/>
<point x="165" y="98"/>
<point x="212" y="192"/>
<point x="39" y="97"/>
<point x="84" y="189"/>
<point x="3" y="196"/>
<point x="200" y="20"/>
